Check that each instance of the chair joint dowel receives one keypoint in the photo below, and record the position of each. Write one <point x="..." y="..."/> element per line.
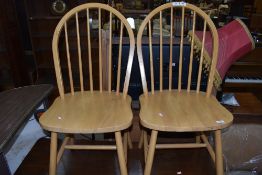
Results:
<point x="91" y="147"/>
<point x="182" y="145"/>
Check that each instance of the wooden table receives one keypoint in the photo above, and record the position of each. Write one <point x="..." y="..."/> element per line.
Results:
<point x="16" y="106"/>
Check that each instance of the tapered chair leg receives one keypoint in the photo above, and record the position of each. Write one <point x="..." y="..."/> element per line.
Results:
<point x="125" y="145"/>
<point x="198" y="140"/>
<point x="72" y="139"/>
<point x="120" y="153"/>
<point x="151" y="152"/>
<point x="219" y="154"/>
<point x="129" y="140"/>
<point x="140" y="144"/>
<point x="145" y="141"/>
<point x="62" y="149"/>
<point x="53" y="153"/>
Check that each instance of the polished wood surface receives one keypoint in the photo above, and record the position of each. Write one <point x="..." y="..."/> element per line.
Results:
<point x="219" y="153"/>
<point x="183" y="111"/>
<point x="48" y="120"/>
<point x="16" y="106"/>
<point x="53" y="154"/>
<point x="121" y="153"/>
<point x="88" y="112"/>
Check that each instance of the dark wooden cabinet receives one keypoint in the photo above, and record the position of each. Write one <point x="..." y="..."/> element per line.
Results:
<point x="13" y="67"/>
<point x="42" y="21"/>
<point x="135" y="85"/>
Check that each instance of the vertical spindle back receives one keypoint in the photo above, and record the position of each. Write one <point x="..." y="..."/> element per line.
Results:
<point x="62" y="38"/>
<point x="181" y="16"/>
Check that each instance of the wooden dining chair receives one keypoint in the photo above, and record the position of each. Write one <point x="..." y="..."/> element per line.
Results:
<point x="173" y="98"/>
<point x="89" y="108"/>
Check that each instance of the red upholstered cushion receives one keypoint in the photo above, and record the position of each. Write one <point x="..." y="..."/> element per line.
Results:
<point x="234" y="41"/>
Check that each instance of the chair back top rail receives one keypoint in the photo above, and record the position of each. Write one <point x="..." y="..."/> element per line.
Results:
<point x="63" y="25"/>
<point x="195" y="13"/>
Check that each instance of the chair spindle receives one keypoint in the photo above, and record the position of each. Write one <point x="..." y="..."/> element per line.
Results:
<point x="110" y="53"/>
<point x="100" y="52"/>
<point x="69" y="61"/>
<point x="181" y="50"/>
<point x="201" y="58"/>
<point x="119" y="58"/>
<point x="161" y="52"/>
<point x="89" y="52"/>
<point x="151" y="57"/>
<point x="79" y="54"/>
<point x="191" y="53"/>
<point x="171" y="49"/>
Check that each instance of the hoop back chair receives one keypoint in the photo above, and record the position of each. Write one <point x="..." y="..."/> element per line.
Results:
<point x="179" y="106"/>
<point x="89" y="110"/>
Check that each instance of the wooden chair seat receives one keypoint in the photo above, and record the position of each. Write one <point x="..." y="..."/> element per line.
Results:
<point x="96" y="112"/>
<point x="102" y="105"/>
<point x="183" y="111"/>
<point x="187" y="109"/>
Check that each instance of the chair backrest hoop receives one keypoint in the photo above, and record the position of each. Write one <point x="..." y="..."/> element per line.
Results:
<point x="60" y="26"/>
<point x="184" y="6"/>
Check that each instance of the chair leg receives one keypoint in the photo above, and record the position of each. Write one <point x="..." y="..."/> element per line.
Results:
<point x="125" y="145"/>
<point x="129" y="141"/>
<point x="53" y="153"/>
<point x="141" y="140"/>
<point x="219" y="154"/>
<point x="198" y="140"/>
<point x="62" y="149"/>
<point x="120" y="153"/>
<point x="72" y="139"/>
<point x="151" y="152"/>
<point x="145" y="140"/>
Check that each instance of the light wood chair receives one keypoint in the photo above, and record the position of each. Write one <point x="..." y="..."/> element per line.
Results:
<point x="89" y="111"/>
<point x="179" y="107"/>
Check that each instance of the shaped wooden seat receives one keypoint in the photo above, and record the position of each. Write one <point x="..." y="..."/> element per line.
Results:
<point x="87" y="106"/>
<point x="95" y="112"/>
<point x="191" y="107"/>
<point x="183" y="111"/>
